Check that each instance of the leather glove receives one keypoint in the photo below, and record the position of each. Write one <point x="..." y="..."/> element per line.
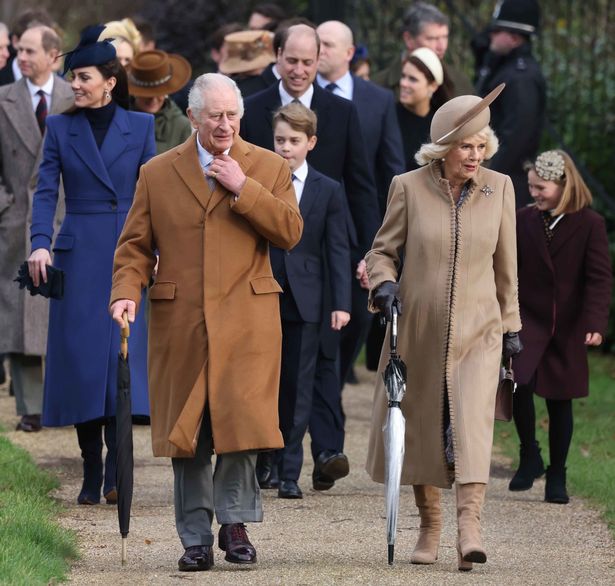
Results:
<point x="511" y="345"/>
<point x="385" y="296"/>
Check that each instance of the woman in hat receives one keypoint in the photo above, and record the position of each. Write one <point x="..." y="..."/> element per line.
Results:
<point x="96" y="151"/>
<point x="564" y="292"/>
<point x="452" y="223"/>
<point x="152" y="76"/>
<point x="421" y="93"/>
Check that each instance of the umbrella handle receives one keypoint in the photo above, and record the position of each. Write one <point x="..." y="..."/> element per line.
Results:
<point x="394" y="314"/>
<point x="124" y="335"/>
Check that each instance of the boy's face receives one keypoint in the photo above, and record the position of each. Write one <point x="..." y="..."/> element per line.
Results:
<point x="292" y="145"/>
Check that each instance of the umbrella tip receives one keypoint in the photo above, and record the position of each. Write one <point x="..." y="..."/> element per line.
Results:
<point x="391" y="554"/>
<point x="124" y="551"/>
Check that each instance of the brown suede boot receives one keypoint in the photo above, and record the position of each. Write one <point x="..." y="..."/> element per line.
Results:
<point x="428" y="502"/>
<point x="470" y="499"/>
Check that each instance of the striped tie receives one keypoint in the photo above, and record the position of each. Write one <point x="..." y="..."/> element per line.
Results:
<point x="41" y="111"/>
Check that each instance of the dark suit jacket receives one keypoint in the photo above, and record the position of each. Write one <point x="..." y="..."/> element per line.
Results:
<point x="323" y="247"/>
<point x="6" y="73"/>
<point x="339" y="153"/>
<point x="385" y="153"/>
<point x="256" y="83"/>
<point x="564" y="293"/>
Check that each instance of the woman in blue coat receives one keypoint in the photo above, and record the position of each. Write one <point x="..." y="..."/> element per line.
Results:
<point x="96" y="150"/>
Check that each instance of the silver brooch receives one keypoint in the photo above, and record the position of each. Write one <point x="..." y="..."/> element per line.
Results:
<point x="487" y="190"/>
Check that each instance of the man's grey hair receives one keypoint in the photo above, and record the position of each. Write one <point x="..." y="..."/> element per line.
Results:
<point x="208" y="82"/>
<point x="420" y="14"/>
<point x="4" y="29"/>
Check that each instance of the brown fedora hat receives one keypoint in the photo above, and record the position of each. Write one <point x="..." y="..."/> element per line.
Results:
<point x="462" y="117"/>
<point x="157" y="73"/>
<point x="246" y="51"/>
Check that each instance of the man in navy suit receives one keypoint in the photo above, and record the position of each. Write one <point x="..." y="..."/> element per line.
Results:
<point x="341" y="155"/>
<point x="323" y="249"/>
<point x="376" y="107"/>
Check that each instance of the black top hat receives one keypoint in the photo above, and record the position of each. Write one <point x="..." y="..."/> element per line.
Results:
<point x="517" y="16"/>
<point x="90" y="51"/>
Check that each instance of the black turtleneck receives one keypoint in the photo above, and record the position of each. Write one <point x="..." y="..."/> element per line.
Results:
<point x="100" y="120"/>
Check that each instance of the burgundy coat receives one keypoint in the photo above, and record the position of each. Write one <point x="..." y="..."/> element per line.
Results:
<point x="564" y="293"/>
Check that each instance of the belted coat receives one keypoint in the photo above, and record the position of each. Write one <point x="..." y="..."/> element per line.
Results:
<point x="23" y="318"/>
<point x="458" y="288"/>
<point x="81" y="368"/>
<point x="214" y="329"/>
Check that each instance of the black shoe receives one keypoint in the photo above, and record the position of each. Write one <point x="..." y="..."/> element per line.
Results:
<point x="196" y="558"/>
<point x="531" y="467"/>
<point x="233" y="539"/>
<point x="555" y="488"/>
<point x="29" y="423"/>
<point x="289" y="489"/>
<point x="266" y="470"/>
<point x="329" y="467"/>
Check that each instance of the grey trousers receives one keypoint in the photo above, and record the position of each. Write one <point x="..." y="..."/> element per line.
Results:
<point x="27" y="380"/>
<point x="230" y="490"/>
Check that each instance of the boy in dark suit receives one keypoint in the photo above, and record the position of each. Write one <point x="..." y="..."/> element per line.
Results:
<point x="316" y="267"/>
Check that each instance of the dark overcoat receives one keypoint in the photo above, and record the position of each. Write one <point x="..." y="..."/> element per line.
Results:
<point x="99" y="185"/>
<point x="564" y="293"/>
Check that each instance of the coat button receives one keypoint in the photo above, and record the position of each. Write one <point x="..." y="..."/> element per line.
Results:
<point x="113" y="205"/>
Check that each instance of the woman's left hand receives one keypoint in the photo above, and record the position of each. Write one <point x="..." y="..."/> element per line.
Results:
<point x="594" y="339"/>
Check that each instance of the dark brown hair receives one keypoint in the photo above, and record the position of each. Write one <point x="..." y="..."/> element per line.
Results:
<point x="114" y="68"/>
<point x="442" y="94"/>
<point x="298" y="117"/>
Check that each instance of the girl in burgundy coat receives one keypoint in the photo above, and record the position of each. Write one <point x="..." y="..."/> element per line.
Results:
<point x="564" y="293"/>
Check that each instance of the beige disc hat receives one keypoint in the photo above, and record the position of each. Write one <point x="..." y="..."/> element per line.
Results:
<point x="246" y="51"/>
<point x="462" y="117"/>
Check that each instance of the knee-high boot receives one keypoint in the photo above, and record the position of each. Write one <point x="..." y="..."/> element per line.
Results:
<point x="109" y="486"/>
<point x="470" y="499"/>
<point x="428" y="502"/>
<point x="89" y="435"/>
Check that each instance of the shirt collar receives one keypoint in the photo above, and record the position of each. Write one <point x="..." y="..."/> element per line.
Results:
<point x="205" y="157"/>
<point x="47" y="87"/>
<point x="301" y="173"/>
<point x="275" y="71"/>
<point x="345" y="84"/>
<point x="305" y="99"/>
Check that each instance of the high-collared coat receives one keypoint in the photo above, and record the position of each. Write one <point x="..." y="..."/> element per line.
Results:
<point x="459" y="294"/>
<point x="564" y="293"/>
<point x="214" y="329"/>
<point x="23" y="318"/>
<point x="81" y="367"/>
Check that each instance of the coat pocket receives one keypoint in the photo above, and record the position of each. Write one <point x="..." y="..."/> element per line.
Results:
<point x="64" y="242"/>
<point x="261" y="285"/>
<point x="162" y="290"/>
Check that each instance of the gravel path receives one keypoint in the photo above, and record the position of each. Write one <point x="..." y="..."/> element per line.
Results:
<point x="334" y="537"/>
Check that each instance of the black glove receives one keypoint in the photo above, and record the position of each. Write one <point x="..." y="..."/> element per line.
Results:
<point x="511" y="345"/>
<point x="385" y="296"/>
<point x="54" y="287"/>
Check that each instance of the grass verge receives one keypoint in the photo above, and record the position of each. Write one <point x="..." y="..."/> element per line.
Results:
<point x="591" y="461"/>
<point x="33" y="548"/>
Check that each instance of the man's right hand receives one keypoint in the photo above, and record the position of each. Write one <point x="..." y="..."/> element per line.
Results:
<point x="37" y="265"/>
<point x="118" y="308"/>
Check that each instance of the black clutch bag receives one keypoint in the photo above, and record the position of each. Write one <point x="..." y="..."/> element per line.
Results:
<point x="53" y="288"/>
<point x="504" y="396"/>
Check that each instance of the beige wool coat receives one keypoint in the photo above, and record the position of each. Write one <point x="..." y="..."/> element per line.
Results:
<point x="214" y="328"/>
<point x="459" y="294"/>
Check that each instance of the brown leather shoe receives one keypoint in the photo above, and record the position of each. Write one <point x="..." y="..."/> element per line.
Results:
<point x="196" y="558"/>
<point x="29" y="423"/>
<point x="111" y="497"/>
<point x="233" y="539"/>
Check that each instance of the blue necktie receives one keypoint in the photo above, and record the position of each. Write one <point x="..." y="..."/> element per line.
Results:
<point x="210" y="180"/>
<point x="331" y="87"/>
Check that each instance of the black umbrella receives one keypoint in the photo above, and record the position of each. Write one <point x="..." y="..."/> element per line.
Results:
<point x="123" y="416"/>
<point x="394" y="432"/>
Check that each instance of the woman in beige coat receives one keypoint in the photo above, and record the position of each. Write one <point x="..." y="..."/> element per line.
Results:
<point x="452" y="225"/>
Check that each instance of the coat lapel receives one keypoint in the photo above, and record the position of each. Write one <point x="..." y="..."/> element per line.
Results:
<point x="537" y="233"/>
<point x="18" y="107"/>
<point x="117" y="138"/>
<point x="62" y="97"/>
<point x="82" y="142"/>
<point x="310" y="193"/>
<point x="189" y="169"/>
<point x="566" y="227"/>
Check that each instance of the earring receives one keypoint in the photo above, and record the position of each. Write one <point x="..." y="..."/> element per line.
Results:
<point x="107" y="94"/>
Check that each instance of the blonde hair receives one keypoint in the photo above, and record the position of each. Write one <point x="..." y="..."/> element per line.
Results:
<point x="575" y="193"/>
<point x="124" y="30"/>
<point x="434" y="152"/>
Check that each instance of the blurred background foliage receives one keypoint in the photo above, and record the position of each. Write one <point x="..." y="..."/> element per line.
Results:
<point x="575" y="50"/>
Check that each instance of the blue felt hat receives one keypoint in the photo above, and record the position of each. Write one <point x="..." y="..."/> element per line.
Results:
<point x="90" y="51"/>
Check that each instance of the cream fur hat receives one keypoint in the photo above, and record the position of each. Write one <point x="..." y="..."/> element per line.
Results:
<point x="462" y="117"/>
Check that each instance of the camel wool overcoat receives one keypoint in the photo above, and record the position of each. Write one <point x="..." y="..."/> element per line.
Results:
<point x="214" y="330"/>
<point x="459" y="294"/>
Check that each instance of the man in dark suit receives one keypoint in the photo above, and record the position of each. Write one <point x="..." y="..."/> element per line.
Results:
<point x="376" y="107"/>
<point x="341" y="155"/>
<point x="322" y="250"/>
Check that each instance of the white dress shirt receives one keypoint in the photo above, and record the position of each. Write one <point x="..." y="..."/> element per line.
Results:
<point x="305" y="99"/>
<point x="47" y="88"/>
<point x="345" y="85"/>
<point x="299" y="177"/>
<point x="205" y="157"/>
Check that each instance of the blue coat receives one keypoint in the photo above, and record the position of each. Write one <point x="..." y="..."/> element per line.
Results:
<point x="83" y="342"/>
